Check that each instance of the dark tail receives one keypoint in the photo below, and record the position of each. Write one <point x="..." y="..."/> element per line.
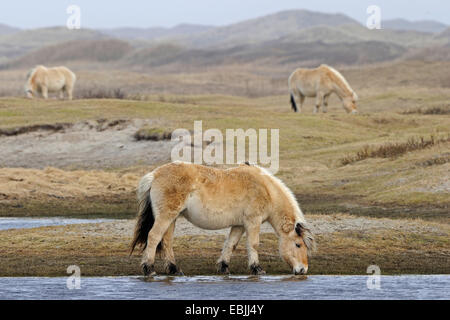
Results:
<point x="294" y="105"/>
<point x="145" y="215"/>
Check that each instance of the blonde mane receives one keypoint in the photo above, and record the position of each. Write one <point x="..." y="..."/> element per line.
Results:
<point x="307" y="235"/>
<point x="291" y="198"/>
<point x="341" y="78"/>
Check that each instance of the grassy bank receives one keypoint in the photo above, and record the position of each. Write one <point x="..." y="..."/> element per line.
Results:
<point x="103" y="251"/>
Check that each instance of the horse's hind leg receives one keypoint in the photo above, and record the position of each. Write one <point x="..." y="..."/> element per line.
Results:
<point x="302" y="100"/>
<point x="229" y="246"/>
<point x="69" y="91"/>
<point x="167" y="251"/>
<point x="301" y="97"/>
<point x="160" y="227"/>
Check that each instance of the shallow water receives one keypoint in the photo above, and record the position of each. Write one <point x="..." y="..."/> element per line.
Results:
<point x="25" y="223"/>
<point x="226" y="288"/>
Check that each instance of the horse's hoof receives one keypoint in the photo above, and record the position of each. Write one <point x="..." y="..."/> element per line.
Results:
<point x="257" y="270"/>
<point x="148" y="270"/>
<point x="222" y="268"/>
<point x="172" y="269"/>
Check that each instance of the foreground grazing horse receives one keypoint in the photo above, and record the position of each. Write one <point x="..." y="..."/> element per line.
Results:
<point x="44" y="80"/>
<point x="241" y="198"/>
<point x="321" y="83"/>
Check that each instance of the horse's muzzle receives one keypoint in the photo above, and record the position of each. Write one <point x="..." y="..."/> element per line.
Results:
<point x="300" y="270"/>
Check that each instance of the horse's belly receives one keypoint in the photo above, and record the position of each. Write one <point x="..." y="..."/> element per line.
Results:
<point x="211" y="216"/>
<point x="308" y="91"/>
<point x="56" y="85"/>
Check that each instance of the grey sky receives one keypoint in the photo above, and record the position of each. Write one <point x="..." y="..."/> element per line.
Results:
<point x="109" y="14"/>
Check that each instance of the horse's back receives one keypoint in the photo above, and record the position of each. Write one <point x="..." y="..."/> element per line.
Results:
<point x="306" y="81"/>
<point x="210" y="198"/>
<point x="60" y="77"/>
<point x="66" y="72"/>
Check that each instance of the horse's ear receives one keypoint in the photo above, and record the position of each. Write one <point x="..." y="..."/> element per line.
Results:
<point x="303" y="231"/>
<point x="287" y="225"/>
<point x="300" y="228"/>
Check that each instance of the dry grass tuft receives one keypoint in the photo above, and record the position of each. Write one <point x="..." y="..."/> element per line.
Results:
<point x="436" y="161"/>
<point x="431" y="110"/>
<point x="102" y="93"/>
<point x="152" y="133"/>
<point x="37" y="127"/>
<point x="392" y="150"/>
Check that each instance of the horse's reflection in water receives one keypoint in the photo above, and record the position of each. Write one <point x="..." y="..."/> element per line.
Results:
<point x="221" y="279"/>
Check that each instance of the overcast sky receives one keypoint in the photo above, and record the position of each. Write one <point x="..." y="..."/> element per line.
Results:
<point x="167" y="13"/>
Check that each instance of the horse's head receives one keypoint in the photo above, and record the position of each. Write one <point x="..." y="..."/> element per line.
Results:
<point x="28" y="91"/>
<point x="350" y="103"/>
<point x="296" y="243"/>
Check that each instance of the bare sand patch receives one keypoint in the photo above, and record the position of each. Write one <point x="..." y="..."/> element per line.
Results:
<point x="89" y="144"/>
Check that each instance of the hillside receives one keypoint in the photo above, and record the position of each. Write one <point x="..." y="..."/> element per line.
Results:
<point x="436" y="53"/>
<point x="298" y="37"/>
<point x="128" y="33"/>
<point x="444" y="35"/>
<point x="403" y="38"/>
<point x="275" y="52"/>
<point x="77" y="50"/>
<point x="351" y="33"/>
<point x="335" y="48"/>
<point x="5" y="29"/>
<point x="422" y="25"/>
<point x="19" y="43"/>
<point x="265" y="28"/>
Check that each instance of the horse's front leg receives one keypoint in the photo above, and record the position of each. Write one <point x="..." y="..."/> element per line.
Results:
<point x="319" y="99"/>
<point x="44" y="91"/>
<point x="229" y="246"/>
<point x="252" y="230"/>
<point x="168" y="254"/>
<point x="325" y="103"/>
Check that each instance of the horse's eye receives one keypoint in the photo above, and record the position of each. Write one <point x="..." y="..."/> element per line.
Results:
<point x="298" y="245"/>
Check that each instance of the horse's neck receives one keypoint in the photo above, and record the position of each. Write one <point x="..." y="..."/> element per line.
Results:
<point x="276" y="225"/>
<point x="342" y="92"/>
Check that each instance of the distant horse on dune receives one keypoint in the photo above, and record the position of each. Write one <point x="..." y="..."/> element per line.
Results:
<point x="241" y="198"/>
<point x="320" y="83"/>
<point x="44" y="80"/>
